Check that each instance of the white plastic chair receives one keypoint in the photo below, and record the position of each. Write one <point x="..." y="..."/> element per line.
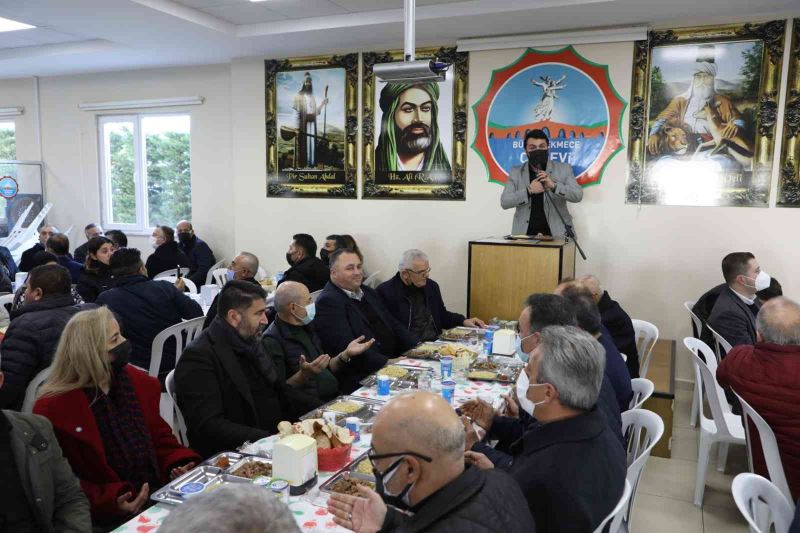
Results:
<point x="33" y="388"/>
<point x="762" y="504"/>
<point x="725" y="427"/>
<point x="642" y="389"/>
<point x="180" y="431"/>
<point x="190" y="327"/>
<point x="215" y="266"/>
<point x="698" y="330"/>
<point x="616" y="516"/>
<point x="315" y="295"/>
<point x="189" y="283"/>
<point x="698" y="324"/>
<point x="219" y="276"/>
<point x="643" y="429"/>
<point x="171" y="273"/>
<point x="646" y="338"/>
<point x="769" y="446"/>
<point x="720" y="344"/>
<point x="372" y="280"/>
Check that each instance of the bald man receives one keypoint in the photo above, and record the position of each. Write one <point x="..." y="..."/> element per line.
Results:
<point x="201" y="258"/>
<point x="417" y="457"/>
<point x="295" y="348"/>
<point x="616" y="321"/>
<point x="244" y="267"/>
<point x="766" y="375"/>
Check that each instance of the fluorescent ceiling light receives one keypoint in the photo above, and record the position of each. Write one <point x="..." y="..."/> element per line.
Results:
<point x="11" y="111"/>
<point x="13" y="25"/>
<point x="142" y="104"/>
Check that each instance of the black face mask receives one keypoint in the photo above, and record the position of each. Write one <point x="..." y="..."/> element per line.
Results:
<point x="121" y="354"/>
<point x="538" y="159"/>
<point x="399" y="500"/>
<point x="289" y="259"/>
<point x="185" y="238"/>
<point x="323" y="254"/>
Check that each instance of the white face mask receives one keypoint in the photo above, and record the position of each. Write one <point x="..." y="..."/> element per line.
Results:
<point x="761" y="281"/>
<point x="523" y="384"/>
<point x="153" y="242"/>
<point x="522" y="355"/>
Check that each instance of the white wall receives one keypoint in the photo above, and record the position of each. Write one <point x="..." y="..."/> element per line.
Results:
<point x="14" y="93"/>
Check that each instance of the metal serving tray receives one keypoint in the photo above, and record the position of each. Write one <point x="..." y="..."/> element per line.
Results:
<point x="506" y="371"/>
<point x="326" y="487"/>
<point x="461" y="334"/>
<point x="245" y="461"/>
<point x="367" y="412"/>
<point x="407" y="382"/>
<point x="232" y="457"/>
<point x="427" y="350"/>
<point x="170" y="493"/>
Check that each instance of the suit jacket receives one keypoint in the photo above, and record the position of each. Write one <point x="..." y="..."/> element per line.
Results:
<point x="166" y="257"/>
<point x="732" y="319"/>
<point x="616" y="371"/>
<point x="515" y="195"/>
<point x="26" y="261"/>
<point x="702" y="308"/>
<point x="201" y="259"/>
<point x="339" y="321"/>
<point x="79" y="436"/>
<point x="619" y="325"/>
<point x="393" y="294"/>
<point x="52" y="490"/>
<point x="766" y="376"/>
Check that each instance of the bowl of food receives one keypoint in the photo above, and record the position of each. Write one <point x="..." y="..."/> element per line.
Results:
<point x="333" y="442"/>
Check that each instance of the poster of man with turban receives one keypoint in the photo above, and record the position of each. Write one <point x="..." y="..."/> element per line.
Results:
<point x="412" y="145"/>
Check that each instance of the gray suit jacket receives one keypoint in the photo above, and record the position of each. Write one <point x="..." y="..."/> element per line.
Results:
<point x="515" y="195"/>
<point x="56" y="499"/>
<point x="731" y="318"/>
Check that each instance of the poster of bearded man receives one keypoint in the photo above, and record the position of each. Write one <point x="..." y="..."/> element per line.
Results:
<point x="414" y="134"/>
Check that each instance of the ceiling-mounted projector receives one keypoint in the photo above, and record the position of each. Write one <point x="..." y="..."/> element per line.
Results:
<point x="410" y="70"/>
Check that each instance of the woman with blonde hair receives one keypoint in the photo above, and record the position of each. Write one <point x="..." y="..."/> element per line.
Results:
<point x="105" y="414"/>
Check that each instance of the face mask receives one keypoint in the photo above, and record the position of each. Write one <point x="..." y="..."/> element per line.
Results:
<point x="311" y="312"/>
<point x="538" y="158"/>
<point x="121" y="354"/>
<point x="153" y="242"/>
<point x="400" y="500"/>
<point x="185" y="238"/>
<point x="289" y="259"/>
<point x="323" y="254"/>
<point x="230" y="274"/>
<point x="523" y="384"/>
<point x="761" y="281"/>
<point x="518" y="344"/>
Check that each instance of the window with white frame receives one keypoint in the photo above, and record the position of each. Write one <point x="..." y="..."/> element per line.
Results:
<point x="8" y="141"/>
<point x="145" y="170"/>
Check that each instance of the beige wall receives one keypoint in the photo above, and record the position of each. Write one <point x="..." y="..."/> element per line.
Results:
<point x="651" y="258"/>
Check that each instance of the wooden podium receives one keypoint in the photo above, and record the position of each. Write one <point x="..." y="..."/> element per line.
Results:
<point x="503" y="273"/>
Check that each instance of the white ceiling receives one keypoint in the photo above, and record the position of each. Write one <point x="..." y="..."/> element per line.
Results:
<point x="74" y="36"/>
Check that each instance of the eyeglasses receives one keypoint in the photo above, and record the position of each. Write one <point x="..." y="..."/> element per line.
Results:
<point x="420" y="272"/>
<point x="372" y="456"/>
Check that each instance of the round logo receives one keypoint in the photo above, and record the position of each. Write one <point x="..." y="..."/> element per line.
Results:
<point x="8" y="187"/>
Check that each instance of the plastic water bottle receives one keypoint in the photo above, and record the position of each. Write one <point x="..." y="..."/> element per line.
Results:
<point x="488" y="338"/>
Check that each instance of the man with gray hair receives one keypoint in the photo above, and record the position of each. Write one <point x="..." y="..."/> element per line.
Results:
<point x="416" y="301"/>
<point x="766" y="376"/>
<point x="244" y="267"/>
<point x="572" y="442"/>
<point x="234" y="508"/>
<point x="417" y="457"/>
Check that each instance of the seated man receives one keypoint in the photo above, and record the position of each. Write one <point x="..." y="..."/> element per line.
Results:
<point x="201" y="258"/>
<point x="588" y="317"/>
<point x="243" y="268"/>
<point x="32" y="337"/>
<point x="145" y="308"/>
<point x="227" y="388"/>
<point x="26" y="261"/>
<point x="570" y="466"/>
<point x="330" y="246"/>
<point x="118" y="238"/>
<point x="7" y="263"/>
<point x="166" y="254"/>
<point x="293" y="345"/>
<point x="231" y="508"/>
<point x="734" y="313"/>
<point x="347" y="310"/>
<point x="766" y="377"/>
<point x="306" y="268"/>
<point x="58" y="245"/>
<point x="616" y="321"/>
<point x="416" y="301"/>
<point x="90" y="231"/>
<point x="417" y="456"/>
<point x="42" y="493"/>
<point x="702" y="309"/>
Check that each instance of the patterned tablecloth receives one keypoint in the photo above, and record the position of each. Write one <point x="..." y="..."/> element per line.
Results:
<point x="309" y="510"/>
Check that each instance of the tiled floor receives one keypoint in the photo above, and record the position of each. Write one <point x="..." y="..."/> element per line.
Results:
<point x="664" y="500"/>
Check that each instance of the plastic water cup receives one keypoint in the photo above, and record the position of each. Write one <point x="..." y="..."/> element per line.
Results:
<point x="447" y="366"/>
<point x="448" y="390"/>
<point x="383" y="385"/>
<point x="353" y="423"/>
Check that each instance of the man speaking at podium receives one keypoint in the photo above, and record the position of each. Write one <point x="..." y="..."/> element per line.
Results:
<point x="539" y="187"/>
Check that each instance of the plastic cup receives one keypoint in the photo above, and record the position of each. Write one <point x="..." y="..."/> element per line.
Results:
<point x="447" y="366"/>
<point x="448" y="390"/>
<point x="353" y="423"/>
<point x="383" y="385"/>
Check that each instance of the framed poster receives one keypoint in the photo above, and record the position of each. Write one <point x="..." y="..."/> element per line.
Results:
<point x="312" y="121"/>
<point x="561" y="93"/>
<point x="414" y="134"/>
<point x="703" y="114"/>
<point x="789" y="181"/>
